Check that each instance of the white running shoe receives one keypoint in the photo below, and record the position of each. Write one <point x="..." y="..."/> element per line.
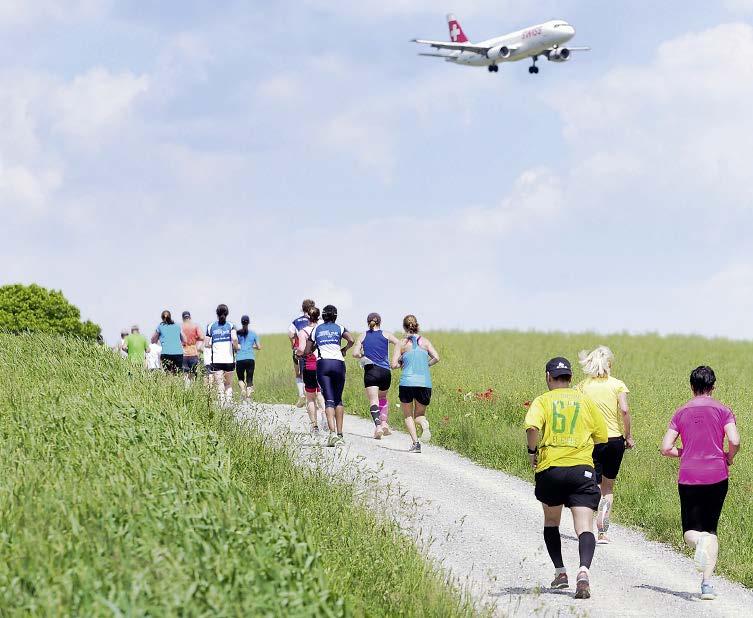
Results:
<point x="386" y="429"/>
<point x="332" y="440"/>
<point x="426" y="432"/>
<point x="378" y="432"/>
<point x="701" y="557"/>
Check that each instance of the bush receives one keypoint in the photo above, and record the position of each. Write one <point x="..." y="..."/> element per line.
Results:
<point x="36" y="309"/>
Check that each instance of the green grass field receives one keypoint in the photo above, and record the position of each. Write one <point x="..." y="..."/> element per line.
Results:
<point x="656" y="369"/>
<point x="125" y="494"/>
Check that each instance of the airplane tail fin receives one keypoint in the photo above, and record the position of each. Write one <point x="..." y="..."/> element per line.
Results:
<point x="456" y="31"/>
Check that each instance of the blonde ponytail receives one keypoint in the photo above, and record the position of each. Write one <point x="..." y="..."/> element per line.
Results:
<point x="598" y="363"/>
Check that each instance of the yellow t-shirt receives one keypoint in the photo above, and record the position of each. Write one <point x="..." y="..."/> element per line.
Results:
<point x="569" y="425"/>
<point x="604" y="392"/>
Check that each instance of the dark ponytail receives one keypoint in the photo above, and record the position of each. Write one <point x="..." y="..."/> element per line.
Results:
<point x="222" y="313"/>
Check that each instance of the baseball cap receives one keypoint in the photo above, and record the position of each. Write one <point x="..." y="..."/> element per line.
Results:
<point x="186" y="315"/>
<point x="124" y="332"/>
<point x="558" y="367"/>
<point x="245" y="319"/>
<point x="134" y="327"/>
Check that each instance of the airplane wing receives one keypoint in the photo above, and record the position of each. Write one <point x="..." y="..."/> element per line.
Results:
<point x="435" y="55"/>
<point x="478" y="49"/>
<point x="576" y="48"/>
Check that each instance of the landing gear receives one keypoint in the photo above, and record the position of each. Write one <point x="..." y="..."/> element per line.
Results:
<point x="493" y="68"/>
<point x="533" y="68"/>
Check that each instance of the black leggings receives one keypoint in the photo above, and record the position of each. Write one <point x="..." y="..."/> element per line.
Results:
<point x="701" y="506"/>
<point x="245" y="371"/>
<point x="331" y="376"/>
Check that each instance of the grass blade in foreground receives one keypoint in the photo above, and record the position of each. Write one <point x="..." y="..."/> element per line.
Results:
<point x="123" y="493"/>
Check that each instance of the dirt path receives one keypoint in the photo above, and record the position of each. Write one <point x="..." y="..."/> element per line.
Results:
<point x="485" y="527"/>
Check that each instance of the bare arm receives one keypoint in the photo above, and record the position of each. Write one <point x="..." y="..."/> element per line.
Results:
<point x="532" y="434"/>
<point x="396" y="354"/>
<point x="627" y="420"/>
<point x="668" y="448"/>
<point x="257" y="344"/>
<point x="155" y="337"/>
<point x="305" y="344"/>
<point x="349" y="342"/>
<point x="433" y="354"/>
<point x="358" y="348"/>
<point x="234" y="340"/>
<point x="733" y="441"/>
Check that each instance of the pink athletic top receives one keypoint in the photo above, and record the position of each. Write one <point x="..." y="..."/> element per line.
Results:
<point x="310" y="358"/>
<point x="700" y="423"/>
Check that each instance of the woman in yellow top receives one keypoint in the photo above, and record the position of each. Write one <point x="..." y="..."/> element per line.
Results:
<point x="610" y="396"/>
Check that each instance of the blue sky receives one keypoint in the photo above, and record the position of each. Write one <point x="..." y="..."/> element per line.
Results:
<point x="182" y="154"/>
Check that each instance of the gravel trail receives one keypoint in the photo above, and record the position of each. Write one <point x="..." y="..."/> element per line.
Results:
<point x="485" y="528"/>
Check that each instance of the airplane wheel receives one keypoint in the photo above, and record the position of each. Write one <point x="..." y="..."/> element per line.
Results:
<point x="537" y="70"/>
<point x="491" y="68"/>
<point x="531" y="70"/>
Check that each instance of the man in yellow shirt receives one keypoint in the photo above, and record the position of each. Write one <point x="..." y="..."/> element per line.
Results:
<point x="562" y="427"/>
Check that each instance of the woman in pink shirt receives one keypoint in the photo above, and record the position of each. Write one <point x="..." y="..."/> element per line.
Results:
<point x="702" y="424"/>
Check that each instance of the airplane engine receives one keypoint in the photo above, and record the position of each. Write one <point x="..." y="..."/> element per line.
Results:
<point x="559" y="55"/>
<point x="499" y="53"/>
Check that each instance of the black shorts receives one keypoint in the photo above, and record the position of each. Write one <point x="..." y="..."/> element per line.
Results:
<point x="608" y="458"/>
<point x="310" y="381"/>
<point x="568" y="485"/>
<point x="172" y="363"/>
<point x="380" y="377"/>
<point x="701" y="505"/>
<point x="420" y="394"/>
<point x="223" y="366"/>
<point x="190" y="364"/>
<point x="244" y="369"/>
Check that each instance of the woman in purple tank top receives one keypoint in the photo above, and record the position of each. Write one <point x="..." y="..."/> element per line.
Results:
<point x="702" y="424"/>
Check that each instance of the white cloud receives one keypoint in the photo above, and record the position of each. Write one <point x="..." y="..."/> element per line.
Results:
<point x="95" y="103"/>
<point x="402" y="8"/>
<point x="26" y="189"/>
<point x="281" y="89"/>
<point x="21" y="12"/>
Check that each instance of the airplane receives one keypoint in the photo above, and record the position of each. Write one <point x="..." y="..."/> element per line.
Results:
<point x="547" y="40"/>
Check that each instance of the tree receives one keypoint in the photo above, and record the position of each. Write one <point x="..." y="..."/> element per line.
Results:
<point x="36" y="309"/>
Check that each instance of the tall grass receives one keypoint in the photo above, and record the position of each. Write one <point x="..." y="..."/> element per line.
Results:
<point x="123" y="493"/>
<point x="656" y="370"/>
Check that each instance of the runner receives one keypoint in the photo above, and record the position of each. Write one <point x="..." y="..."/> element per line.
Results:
<point x="415" y="355"/>
<point x="372" y="348"/>
<point x="702" y="424"/>
<point x="118" y="347"/>
<point x="611" y="397"/>
<point x="330" y="369"/>
<point x="194" y="341"/>
<point x="153" y="357"/>
<point x="222" y="339"/>
<point x="296" y="325"/>
<point x="562" y="427"/>
<point x="245" y="362"/>
<point x="171" y="341"/>
<point x="136" y="346"/>
<point x="314" y="399"/>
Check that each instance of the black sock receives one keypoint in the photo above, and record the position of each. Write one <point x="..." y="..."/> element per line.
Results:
<point x="586" y="548"/>
<point x="375" y="414"/>
<point x="554" y="545"/>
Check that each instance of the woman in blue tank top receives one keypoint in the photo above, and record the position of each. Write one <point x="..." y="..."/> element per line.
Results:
<point x="373" y="350"/>
<point x="415" y="355"/>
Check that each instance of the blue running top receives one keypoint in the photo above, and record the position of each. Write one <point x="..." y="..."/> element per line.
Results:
<point x="376" y="348"/>
<point x="246" y="350"/>
<point x="415" y="366"/>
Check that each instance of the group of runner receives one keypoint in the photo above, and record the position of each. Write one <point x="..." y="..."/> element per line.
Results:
<point x="576" y="439"/>
<point x="319" y="364"/>
<point x="576" y="435"/>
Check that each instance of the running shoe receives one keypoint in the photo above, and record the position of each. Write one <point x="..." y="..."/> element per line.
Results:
<point x="314" y="430"/>
<point x="707" y="592"/>
<point x="582" y="586"/>
<point x="332" y="440"/>
<point x="378" y="432"/>
<point x="416" y="448"/>
<point x="301" y="402"/>
<point x="602" y="538"/>
<point x="560" y="582"/>
<point x="386" y="429"/>
<point x="339" y="440"/>
<point x="701" y="557"/>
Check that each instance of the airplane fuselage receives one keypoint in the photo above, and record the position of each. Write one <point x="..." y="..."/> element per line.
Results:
<point x="526" y="43"/>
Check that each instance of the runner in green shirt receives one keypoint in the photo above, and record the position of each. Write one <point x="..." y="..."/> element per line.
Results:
<point x="136" y="345"/>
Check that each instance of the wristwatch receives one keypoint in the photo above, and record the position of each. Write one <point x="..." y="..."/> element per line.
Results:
<point x="533" y="451"/>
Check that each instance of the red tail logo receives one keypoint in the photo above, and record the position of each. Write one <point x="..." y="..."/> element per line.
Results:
<point x="456" y="31"/>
